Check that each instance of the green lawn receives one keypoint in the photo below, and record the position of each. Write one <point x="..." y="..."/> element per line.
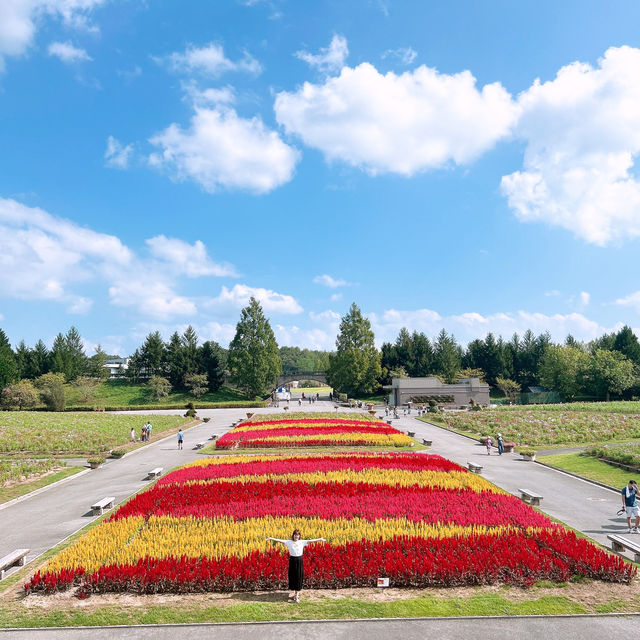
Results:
<point x="121" y="393"/>
<point x="589" y="467"/>
<point x="9" y="493"/>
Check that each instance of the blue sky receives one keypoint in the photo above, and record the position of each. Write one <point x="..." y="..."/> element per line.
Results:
<point x="443" y="164"/>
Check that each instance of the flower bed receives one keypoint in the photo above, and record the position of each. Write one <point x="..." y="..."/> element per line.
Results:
<point x="258" y="433"/>
<point x="418" y="519"/>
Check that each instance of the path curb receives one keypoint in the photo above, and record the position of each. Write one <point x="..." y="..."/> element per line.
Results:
<point x="329" y="621"/>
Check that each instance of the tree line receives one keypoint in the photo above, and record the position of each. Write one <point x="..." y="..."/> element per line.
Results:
<point x="608" y="365"/>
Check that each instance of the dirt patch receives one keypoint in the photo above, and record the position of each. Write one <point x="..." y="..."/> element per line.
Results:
<point x="588" y="594"/>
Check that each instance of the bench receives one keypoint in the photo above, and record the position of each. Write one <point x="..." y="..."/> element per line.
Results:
<point x="99" y="507"/>
<point x="200" y="445"/>
<point x="474" y="468"/>
<point x="411" y="434"/>
<point x="213" y="437"/>
<point x="156" y="473"/>
<point x="14" y="559"/>
<point x="620" y="544"/>
<point x="427" y="442"/>
<point x="528" y="496"/>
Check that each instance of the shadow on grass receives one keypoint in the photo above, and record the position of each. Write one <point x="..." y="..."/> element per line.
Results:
<point x="272" y="596"/>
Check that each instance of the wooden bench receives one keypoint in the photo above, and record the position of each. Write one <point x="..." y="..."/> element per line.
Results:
<point x="474" y="468"/>
<point x="156" y="473"/>
<point x="427" y="442"/>
<point x="200" y="445"/>
<point x="99" y="507"/>
<point x="620" y="544"/>
<point x="528" y="496"/>
<point x="213" y="437"/>
<point x="14" y="559"/>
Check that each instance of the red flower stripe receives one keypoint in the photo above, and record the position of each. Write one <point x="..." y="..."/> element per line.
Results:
<point x="515" y="558"/>
<point x="308" y="464"/>
<point x="331" y="500"/>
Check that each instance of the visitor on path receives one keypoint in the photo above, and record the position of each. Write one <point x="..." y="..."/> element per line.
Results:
<point x="630" y="505"/>
<point x="143" y="433"/>
<point x="180" y="439"/>
<point x="488" y="442"/>
<point x="149" y="429"/>
<point x="132" y="434"/>
<point x="500" y="444"/>
<point x="386" y="411"/>
<point x="296" y="570"/>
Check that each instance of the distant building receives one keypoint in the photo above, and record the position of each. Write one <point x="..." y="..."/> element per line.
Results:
<point x="117" y="367"/>
<point x="418" y="390"/>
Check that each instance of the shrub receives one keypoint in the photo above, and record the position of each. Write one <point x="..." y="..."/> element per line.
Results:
<point x="117" y="453"/>
<point x="206" y="419"/>
<point x="523" y="451"/>
<point x="191" y="413"/>
<point x="96" y="460"/>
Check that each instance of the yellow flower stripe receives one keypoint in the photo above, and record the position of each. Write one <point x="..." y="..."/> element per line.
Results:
<point x="391" y="477"/>
<point x="98" y="547"/>
<point x="215" y="537"/>
<point x="399" y="440"/>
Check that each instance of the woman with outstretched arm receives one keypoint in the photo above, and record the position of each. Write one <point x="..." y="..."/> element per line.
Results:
<point x="296" y="571"/>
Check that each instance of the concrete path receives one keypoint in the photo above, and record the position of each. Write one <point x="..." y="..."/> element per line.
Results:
<point x="582" y="505"/>
<point x="565" y="627"/>
<point x="41" y="521"/>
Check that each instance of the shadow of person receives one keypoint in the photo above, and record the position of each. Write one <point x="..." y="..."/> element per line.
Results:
<point x="271" y="596"/>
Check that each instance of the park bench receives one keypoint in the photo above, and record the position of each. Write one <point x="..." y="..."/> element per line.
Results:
<point x="427" y="442"/>
<point x="213" y="437"/>
<point x="528" y="496"/>
<point x="620" y="544"/>
<point x="156" y="473"/>
<point x="474" y="468"/>
<point x="99" y="507"/>
<point x="14" y="559"/>
<point x="411" y="434"/>
<point x="200" y="445"/>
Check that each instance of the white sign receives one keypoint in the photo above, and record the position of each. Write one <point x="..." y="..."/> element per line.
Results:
<point x="383" y="582"/>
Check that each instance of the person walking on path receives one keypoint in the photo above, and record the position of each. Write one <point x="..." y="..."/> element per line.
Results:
<point x="132" y="434"/>
<point x="296" y="569"/>
<point x="180" y="439"/>
<point x="630" y="505"/>
<point x="488" y="442"/>
<point x="500" y="444"/>
<point x="149" y="428"/>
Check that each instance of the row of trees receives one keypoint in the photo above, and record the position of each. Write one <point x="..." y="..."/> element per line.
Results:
<point x="607" y="365"/>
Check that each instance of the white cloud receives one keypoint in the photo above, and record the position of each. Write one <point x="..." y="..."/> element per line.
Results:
<point x="223" y="150"/>
<point x="293" y="336"/>
<point x="582" y="131"/>
<point x="329" y="59"/>
<point x="209" y="60"/>
<point x="405" y="54"/>
<point x="335" y="297"/>
<point x="189" y="259"/>
<point x="116" y="154"/>
<point x="19" y="20"/>
<point x="403" y="124"/>
<point x="326" y="316"/>
<point x="68" y="53"/>
<point x="328" y="281"/>
<point x="271" y="301"/>
<point x="471" y="325"/>
<point x="585" y="298"/>
<point x="632" y="300"/>
<point x="45" y="257"/>
<point x="209" y="97"/>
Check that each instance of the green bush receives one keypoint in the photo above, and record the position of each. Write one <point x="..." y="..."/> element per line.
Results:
<point x="523" y="451"/>
<point x="117" y="453"/>
<point x="96" y="460"/>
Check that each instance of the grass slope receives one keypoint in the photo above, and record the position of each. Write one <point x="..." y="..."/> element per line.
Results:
<point x="589" y="467"/>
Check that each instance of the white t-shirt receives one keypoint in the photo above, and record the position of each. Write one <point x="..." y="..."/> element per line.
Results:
<point x="296" y="547"/>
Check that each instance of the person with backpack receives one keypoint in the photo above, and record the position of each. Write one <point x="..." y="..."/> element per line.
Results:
<point x="488" y="442"/>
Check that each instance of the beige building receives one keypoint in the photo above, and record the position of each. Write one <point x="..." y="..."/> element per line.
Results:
<point x="404" y="390"/>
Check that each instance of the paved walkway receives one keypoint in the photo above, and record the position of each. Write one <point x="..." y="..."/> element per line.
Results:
<point x="565" y="627"/>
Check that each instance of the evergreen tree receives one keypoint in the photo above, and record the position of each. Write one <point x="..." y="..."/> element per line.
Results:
<point x="153" y="355"/>
<point x="40" y="361"/>
<point x="627" y="344"/>
<point x="22" y="358"/>
<point x="404" y="350"/>
<point x="176" y="364"/>
<point x="190" y="351"/>
<point x="447" y="357"/>
<point x="355" y="367"/>
<point x="68" y="356"/>
<point x="8" y="367"/>
<point x="253" y="358"/>
<point x="422" y="355"/>
<point x="213" y="362"/>
<point x="96" y="364"/>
